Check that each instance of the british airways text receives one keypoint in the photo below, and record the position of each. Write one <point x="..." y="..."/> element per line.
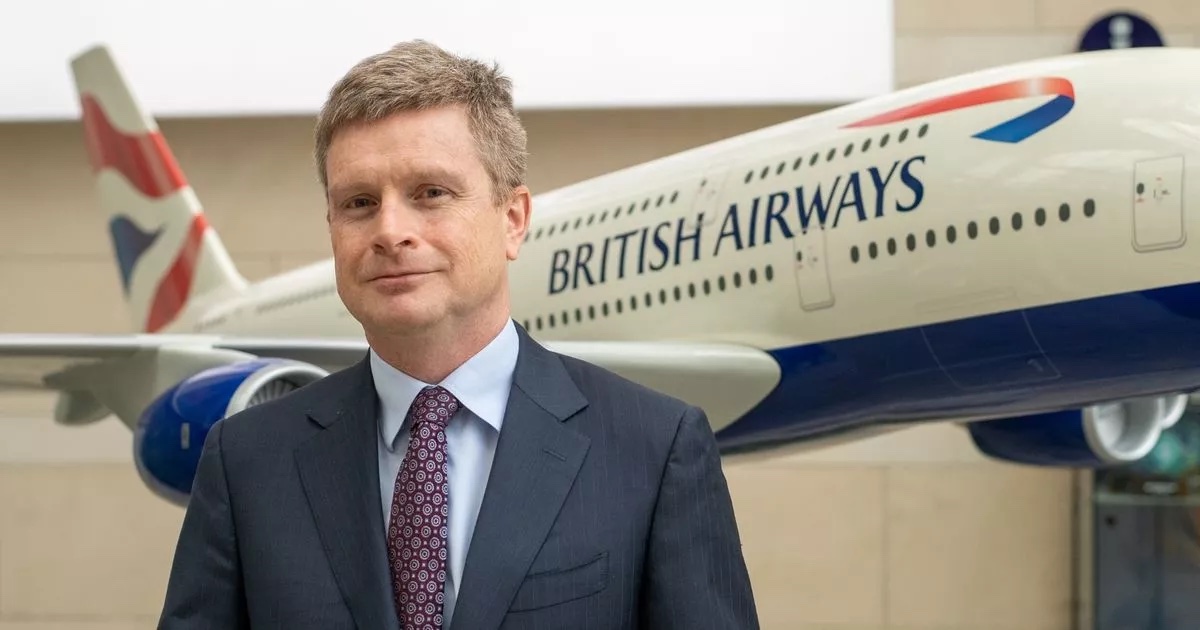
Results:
<point x="860" y="195"/>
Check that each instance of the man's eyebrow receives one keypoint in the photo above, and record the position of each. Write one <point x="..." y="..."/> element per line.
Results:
<point x="419" y="175"/>
<point x="437" y="173"/>
<point x="341" y="189"/>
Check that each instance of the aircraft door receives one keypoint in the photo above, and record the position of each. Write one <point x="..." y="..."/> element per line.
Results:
<point x="1157" y="204"/>
<point x="708" y="194"/>
<point x="811" y="265"/>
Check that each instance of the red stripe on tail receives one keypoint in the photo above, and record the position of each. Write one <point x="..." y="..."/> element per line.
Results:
<point x="143" y="159"/>
<point x="173" y="289"/>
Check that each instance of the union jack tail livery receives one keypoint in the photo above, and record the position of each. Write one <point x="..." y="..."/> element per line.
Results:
<point x="166" y="252"/>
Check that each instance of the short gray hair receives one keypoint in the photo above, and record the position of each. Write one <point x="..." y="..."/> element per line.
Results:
<point x="417" y="75"/>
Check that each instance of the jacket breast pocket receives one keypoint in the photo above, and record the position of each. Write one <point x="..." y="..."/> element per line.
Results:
<point x="559" y="586"/>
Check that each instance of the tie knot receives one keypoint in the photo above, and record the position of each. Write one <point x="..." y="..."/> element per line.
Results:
<point x="433" y="405"/>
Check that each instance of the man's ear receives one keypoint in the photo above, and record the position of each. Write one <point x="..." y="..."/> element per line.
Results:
<point x="517" y="215"/>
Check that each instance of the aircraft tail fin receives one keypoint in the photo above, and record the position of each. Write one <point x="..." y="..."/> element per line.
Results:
<point x="167" y="254"/>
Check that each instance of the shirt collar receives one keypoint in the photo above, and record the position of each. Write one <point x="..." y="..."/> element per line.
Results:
<point x="481" y="385"/>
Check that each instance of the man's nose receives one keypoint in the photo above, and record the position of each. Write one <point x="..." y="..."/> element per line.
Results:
<point x="395" y="227"/>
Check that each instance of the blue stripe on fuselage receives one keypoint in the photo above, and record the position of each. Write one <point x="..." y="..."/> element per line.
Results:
<point x="1010" y="363"/>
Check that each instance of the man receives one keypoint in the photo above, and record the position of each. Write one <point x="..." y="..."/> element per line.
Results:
<point x="461" y="476"/>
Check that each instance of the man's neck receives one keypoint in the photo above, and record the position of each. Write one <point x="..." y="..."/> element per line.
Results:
<point x="432" y="355"/>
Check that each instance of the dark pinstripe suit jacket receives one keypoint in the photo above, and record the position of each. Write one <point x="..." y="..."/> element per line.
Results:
<point x="606" y="509"/>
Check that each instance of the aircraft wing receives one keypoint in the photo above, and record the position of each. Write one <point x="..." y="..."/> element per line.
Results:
<point x="32" y="360"/>
<point x="726" y="380"/>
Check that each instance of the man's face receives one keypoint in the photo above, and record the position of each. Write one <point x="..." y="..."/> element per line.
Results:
<point x="417" y="238"/>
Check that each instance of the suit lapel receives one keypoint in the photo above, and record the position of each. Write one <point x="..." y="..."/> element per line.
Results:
<point x="339" y="470"/>
<point x="536" y="461"/>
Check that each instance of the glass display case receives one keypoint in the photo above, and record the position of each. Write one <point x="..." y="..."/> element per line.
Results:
<point x="1146" y="555"/>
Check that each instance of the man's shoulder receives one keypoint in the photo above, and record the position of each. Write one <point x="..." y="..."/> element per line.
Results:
<point x="623" y="400"/>
<point x="634" y="420"/>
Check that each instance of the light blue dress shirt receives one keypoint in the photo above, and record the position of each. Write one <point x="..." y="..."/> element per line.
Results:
<point x="482" y="387"/>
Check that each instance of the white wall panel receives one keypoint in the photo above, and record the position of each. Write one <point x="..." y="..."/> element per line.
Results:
<point x="266" y="57"/>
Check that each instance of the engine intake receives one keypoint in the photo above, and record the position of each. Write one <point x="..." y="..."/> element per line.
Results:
<point x="1097" y="436"/>
<point x="170" y="434"/>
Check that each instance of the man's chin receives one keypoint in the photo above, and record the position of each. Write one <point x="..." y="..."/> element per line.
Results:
<point x="401" y="317"/>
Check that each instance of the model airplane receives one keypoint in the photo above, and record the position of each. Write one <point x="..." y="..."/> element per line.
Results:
<point x="1007" y="250"/>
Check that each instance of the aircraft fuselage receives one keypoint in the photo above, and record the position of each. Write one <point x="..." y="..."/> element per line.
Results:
<point x="1010" y="244"/>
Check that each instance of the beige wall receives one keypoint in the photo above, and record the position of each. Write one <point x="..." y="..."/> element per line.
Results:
<point x="910" y="532"/>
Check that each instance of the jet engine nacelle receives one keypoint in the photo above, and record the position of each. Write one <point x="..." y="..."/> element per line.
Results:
<point x="1098" y="436"/>
<point x="170" y="434"/>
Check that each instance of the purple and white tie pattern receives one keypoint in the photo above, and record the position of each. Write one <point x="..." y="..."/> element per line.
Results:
<point x="418" y="529"/>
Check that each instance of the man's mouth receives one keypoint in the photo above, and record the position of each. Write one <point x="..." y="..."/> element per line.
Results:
<point x="398" y="274"/>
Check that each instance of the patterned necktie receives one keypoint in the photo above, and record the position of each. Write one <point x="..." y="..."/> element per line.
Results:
<point x="418" y="528"/>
